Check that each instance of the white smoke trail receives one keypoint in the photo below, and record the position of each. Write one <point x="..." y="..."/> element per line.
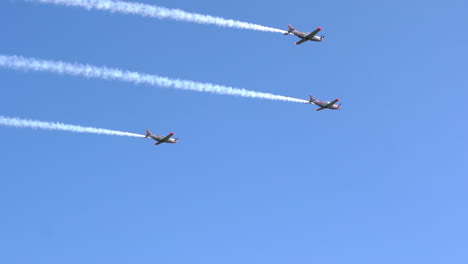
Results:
<point x="22" y="63"/>
<point x="158" y="12"/>
<point x="18" y="122"/>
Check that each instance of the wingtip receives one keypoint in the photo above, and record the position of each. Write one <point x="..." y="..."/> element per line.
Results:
<point x="319" y="28"/>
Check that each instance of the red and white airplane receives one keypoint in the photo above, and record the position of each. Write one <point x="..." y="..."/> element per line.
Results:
<point x="161" y="139"/>
<point x="324" y="104"/>
<point x="305" y="36"/>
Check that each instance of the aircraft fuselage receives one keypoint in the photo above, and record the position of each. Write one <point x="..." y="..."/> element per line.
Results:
<point x="303" y="35"/>
<point x="325" y="103"/>
<point x="161" y="139"/>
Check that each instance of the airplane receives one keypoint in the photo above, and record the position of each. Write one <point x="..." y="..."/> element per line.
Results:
<point x="161" y="139"/>
<point x="324" y="104"/>
<point x="305" y="36"/>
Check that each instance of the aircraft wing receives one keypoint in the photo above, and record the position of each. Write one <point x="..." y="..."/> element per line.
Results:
<point x="302" y="41"/>
<point x="313" y="33"/>
<point x="159" y="142"/>
<point x="320" y="109"/>
<point x="164" y="139"/>
<point x="331" y="103"/>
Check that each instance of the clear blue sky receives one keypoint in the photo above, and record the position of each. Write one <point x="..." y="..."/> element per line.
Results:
<point x="251" y="181"/>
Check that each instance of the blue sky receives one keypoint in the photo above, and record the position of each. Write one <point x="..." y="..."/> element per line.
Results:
<point x="251" y="181"/>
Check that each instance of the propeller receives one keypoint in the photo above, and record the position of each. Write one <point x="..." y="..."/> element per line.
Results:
<point x="322" y="37"/>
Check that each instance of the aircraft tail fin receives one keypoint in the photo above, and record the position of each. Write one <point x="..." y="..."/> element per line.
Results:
<point x="290" y="29"/>
<point x="148" y="133"/>
<point x="311" y="99"/>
